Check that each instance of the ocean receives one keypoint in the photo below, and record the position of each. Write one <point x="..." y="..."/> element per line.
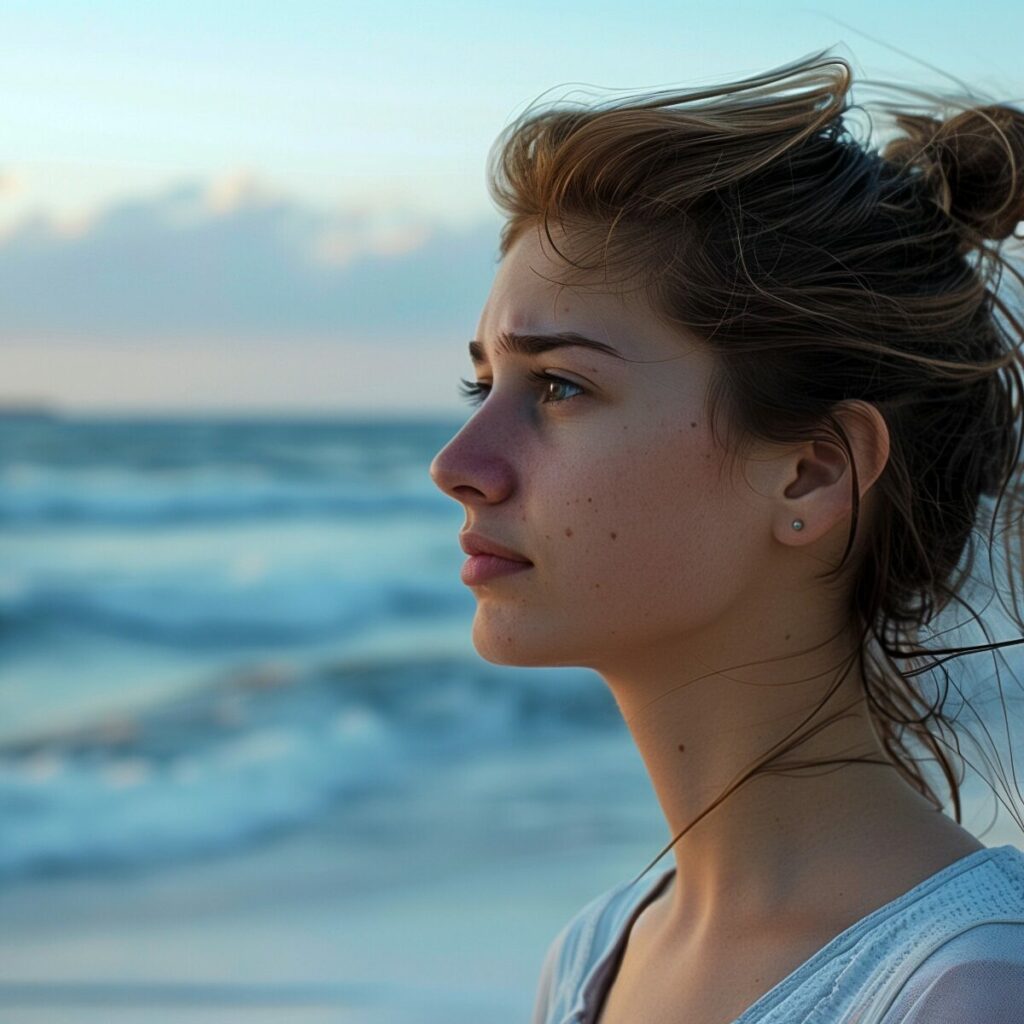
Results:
<point x="251" y="766"/>
<point x="221" y="638"/>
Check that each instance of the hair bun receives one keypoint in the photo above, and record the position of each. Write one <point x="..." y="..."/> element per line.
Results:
<point x="975" y="164"/>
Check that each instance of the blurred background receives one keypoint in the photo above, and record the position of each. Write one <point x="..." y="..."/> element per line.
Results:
<point x="250" y="765"/>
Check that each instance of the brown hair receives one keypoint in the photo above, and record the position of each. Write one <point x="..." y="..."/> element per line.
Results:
<point x="822" y="270"/>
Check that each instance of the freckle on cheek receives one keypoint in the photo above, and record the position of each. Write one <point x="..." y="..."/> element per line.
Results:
<point x="568" y="531"/>
<point x="614" y="535"/>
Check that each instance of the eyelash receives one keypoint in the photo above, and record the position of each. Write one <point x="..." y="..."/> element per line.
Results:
<point x="474" y="391"/>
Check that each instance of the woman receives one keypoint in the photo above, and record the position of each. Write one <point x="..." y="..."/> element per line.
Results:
<point x="742" y="386"/>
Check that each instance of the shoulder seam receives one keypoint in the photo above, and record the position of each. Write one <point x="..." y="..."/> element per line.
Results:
<point x="1013" y="877"/>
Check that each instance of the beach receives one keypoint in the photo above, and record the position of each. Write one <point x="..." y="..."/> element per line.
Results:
<point x="393" y="926"/>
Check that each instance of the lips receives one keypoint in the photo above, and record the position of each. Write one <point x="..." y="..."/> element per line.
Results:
<point x="478" y="544"/>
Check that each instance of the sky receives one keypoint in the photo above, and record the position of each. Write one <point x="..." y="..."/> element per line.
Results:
<point x="283" y="207"/>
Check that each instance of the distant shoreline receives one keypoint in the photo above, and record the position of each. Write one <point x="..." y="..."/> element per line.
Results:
<point x="28" y="410"/>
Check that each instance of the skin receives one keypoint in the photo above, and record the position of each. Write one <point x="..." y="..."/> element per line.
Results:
<point x="681" y="582"/>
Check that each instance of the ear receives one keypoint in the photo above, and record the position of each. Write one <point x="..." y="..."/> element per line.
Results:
<point x="816" y="485"/>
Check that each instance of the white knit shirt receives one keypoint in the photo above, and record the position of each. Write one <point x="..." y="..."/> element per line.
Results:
<point x="948" y="951"/>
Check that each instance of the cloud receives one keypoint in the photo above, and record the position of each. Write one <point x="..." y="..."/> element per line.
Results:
<point x="233" y="258"/>
<point x="241" y="188"/>
<point x="10" y="183"/>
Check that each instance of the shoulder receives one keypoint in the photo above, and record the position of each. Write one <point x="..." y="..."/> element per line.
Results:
<point x="977" y="976"/>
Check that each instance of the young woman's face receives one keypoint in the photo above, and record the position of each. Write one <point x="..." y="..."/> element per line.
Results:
<point x="607" y="480"/>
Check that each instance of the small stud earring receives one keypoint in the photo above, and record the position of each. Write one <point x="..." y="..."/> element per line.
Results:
<point x="798" y="524"/>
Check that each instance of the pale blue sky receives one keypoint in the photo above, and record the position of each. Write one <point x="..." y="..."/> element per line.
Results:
<point x="303" y="140"/>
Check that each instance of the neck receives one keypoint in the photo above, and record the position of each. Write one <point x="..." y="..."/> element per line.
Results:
<point x="699" y="730"/>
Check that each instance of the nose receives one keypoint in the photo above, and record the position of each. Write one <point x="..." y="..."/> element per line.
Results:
<point x="470" y="474"/>
<point x="439" y="471"/>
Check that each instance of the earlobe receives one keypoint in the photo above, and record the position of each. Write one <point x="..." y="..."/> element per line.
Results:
<point x="826" y="465"/>
<point x="821" y="467"/>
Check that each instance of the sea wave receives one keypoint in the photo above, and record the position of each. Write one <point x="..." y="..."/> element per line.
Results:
<point x="266" y="750"/>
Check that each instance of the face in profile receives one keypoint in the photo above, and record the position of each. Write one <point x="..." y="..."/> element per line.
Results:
<point x="601" y="470"/>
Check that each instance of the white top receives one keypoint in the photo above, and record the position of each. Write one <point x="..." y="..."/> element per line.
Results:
<point x="948" y="951"/>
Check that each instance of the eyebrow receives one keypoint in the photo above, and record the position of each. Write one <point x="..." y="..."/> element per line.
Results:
<point x="536" y="344"/>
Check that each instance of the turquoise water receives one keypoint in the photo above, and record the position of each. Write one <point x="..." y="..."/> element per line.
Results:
<point x="251" y="766"/>
<point x="225" y="630"/>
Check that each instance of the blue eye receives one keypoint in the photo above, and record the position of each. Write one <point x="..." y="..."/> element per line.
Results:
<point x="475" y="392"/>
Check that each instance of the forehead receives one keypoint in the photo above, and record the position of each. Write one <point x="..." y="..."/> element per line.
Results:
<point x="533" y="283"/>
<point x="532" y="292"/>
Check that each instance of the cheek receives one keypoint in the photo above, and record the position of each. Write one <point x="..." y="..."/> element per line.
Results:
<point x="639" y="520"/>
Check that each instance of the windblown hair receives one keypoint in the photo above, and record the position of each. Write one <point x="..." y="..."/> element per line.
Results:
<point x="820" y="269"/>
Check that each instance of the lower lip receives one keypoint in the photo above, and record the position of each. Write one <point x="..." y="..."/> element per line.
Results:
<point x="481" y="568"/>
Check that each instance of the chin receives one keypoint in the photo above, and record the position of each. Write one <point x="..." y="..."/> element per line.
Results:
<point x="511" y="644"/>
